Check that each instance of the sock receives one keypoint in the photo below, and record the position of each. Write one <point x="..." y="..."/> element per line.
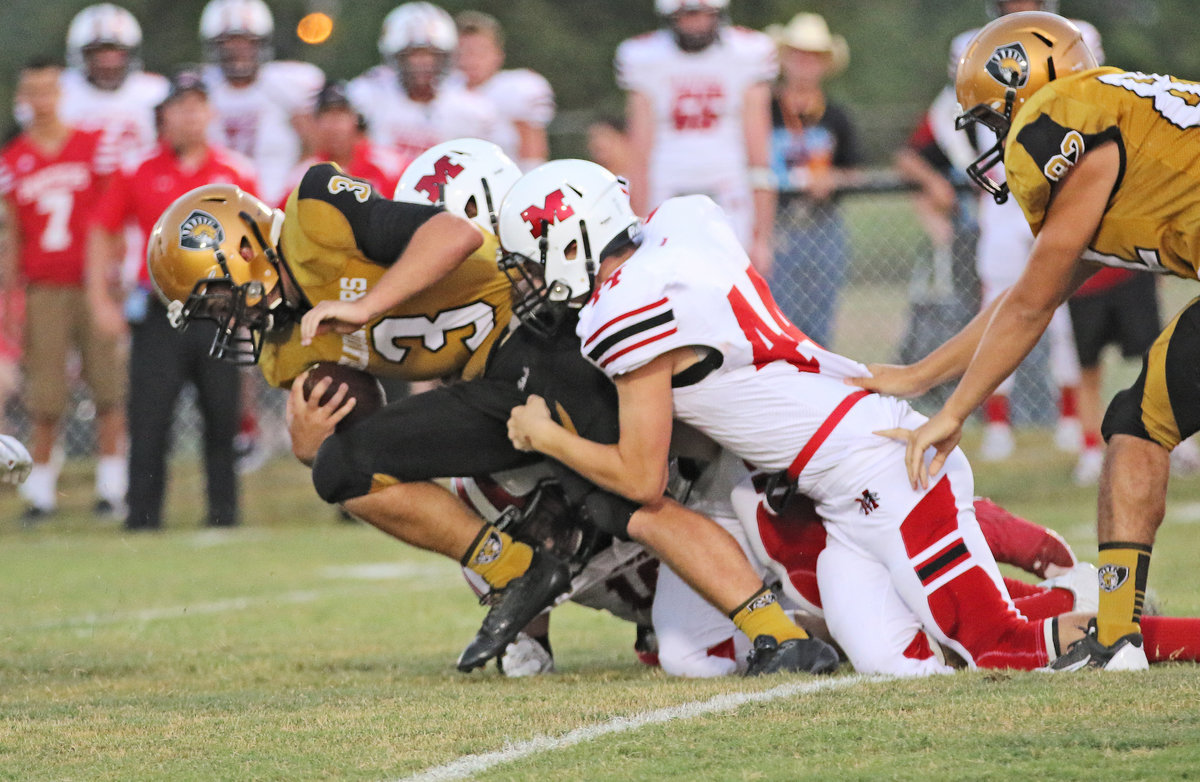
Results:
<point x="112" y="478"/>
<point x="1019" y="542"/>
<point x="41" y="487"/>
<point x="496" y="557"/>
<point x="1068" y="402"/>
<point x="1171" y="639"/>
<point x="995" y="409"/>
<point x="1123" y="569"/>
<point x="761" y="614"/>
<point x="1092" y="440"/>
<point x="1019" y="589"/>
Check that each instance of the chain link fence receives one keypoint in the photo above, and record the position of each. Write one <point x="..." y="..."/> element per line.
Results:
<point x="859" y="274"/>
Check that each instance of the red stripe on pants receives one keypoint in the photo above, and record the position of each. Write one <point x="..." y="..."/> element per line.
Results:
<point x="969" y="608"/>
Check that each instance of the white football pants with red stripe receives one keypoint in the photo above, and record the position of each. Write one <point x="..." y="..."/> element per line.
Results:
<point x="906" y="561"/>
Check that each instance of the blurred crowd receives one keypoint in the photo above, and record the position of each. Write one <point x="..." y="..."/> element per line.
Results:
<point x="102" y="147"/>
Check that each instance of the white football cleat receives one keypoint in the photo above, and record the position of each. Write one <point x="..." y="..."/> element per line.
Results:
<point x="525" y="657"/>
<point x="998" y="443"/>
<point x="1087" y="469"/>
<point x="1081" y="581"/>
<point x="1068" y="435"/>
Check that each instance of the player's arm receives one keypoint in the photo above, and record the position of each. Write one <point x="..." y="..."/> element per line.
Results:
<point x="636" y="466"/>
<point x="756" y="126"/>
<point x="10" y="251"/>
<point x="1052" y="273"/>
<point x="639" y="123"/>
<point x="533" y="146"/>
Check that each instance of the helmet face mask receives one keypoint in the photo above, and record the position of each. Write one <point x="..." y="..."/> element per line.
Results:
<point x="1008" y="61"/>
<point x="237" y="36"/>
<point x="212" y="257"/>
<point x="417" y="28"/>
<point x="103" y="41"/>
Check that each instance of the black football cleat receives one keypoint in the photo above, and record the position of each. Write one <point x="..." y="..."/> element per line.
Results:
<point x="797" y="655"/>
<point x="517" y="604"/>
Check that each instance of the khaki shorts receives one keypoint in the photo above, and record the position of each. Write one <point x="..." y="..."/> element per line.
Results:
<point x="57" y="318"/>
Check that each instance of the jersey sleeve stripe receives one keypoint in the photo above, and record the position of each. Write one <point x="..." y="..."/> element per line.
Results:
<point x="637" y="328"/>
<point x="635" y="346"/>
<point x="620" y="318"/>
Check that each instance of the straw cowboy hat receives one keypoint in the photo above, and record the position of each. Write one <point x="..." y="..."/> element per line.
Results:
<point x="810" y="33"/>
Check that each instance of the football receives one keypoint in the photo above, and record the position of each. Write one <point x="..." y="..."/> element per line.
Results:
<point x="362" y="386"/>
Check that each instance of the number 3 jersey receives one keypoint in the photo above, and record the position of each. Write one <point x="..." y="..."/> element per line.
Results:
<point x="1152" y="222"/>
<point x="769" y="391"/>
<point x="339" y="236"/>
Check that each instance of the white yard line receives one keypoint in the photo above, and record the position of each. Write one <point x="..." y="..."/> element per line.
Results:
<point x="470" y="765"/>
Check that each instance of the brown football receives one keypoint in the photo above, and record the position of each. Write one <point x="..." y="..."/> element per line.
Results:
<point x="362" y="386"/>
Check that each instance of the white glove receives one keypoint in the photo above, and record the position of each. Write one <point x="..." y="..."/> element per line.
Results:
<point x="15" y="461"/>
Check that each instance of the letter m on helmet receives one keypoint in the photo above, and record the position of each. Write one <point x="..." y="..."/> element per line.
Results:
<point x="443" y="171"/>
<point x="552" y="211"/>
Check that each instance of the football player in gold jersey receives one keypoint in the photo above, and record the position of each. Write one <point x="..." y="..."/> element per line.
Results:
<point x="1105" y="165"/>
<point x="399" y="289"/>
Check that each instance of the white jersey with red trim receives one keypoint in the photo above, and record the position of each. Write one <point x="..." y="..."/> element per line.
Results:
<point x="691" y="284"/>
<point x="699" y="138"/>
<point x="256" y="120"/>
<point x="126" y="114"/>
<point x="410" y="127"/>
<point x="519" y="95"/>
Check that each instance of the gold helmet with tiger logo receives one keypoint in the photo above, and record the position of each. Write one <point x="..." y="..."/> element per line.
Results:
<point x="1004" y="64"/>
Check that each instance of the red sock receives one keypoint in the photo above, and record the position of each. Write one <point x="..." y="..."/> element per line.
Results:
<point x="1019" y="589"/>
<point x="1019" y="542"/>
<point x="1068" y="402"/>
<point x="1046" y="603"/>
<point x="995" y="409"/>
<point x="1092" y="440"/>
<point x="1171" y="638"/>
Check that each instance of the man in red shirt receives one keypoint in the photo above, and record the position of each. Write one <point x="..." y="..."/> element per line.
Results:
<point x="161" y="358"/>
<point x="50" y="176"/>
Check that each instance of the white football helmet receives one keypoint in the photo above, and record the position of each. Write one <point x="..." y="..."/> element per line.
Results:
<point x="668" y="7"/>
<point x="98" y="26"/>
<point x="466" y="176"/>
<point x="556" y="224"/>
<point x="222" y="20"/>
<point x="417" y="25"/>
<point x="994" y="7"/>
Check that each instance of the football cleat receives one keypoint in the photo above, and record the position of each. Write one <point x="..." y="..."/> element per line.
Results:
<point x="516" y="605"/>
<point x="1127" y="654"/>
<point x="796" y="655"/>
<point x="525" y="656"/>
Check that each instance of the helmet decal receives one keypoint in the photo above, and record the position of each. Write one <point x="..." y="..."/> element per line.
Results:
<point x="200" y="231"/>
<point x="443" y="171"/>
<point x="1009" y="65"/>
<point x="551" y="211"/>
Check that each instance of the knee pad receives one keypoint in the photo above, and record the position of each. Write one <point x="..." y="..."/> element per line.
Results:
<point x="608" y="512"/>
<point x="335" y="475"/>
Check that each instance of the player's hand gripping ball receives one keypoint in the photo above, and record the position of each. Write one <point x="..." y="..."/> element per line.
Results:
<point x="361" y="386"/>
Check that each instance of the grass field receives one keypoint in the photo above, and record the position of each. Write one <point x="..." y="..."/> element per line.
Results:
<point x="299" y="647"/>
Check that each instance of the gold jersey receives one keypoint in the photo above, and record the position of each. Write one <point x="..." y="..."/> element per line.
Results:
<point x="334" y="224"/>
<point x="1152" y="222"/>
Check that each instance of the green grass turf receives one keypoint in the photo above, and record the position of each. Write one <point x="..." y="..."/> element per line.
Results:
<point x="299" y="647"/>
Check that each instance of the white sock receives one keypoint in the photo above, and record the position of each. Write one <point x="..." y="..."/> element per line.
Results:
<point x="112" y="478"/>
<point x="41" y="487"/>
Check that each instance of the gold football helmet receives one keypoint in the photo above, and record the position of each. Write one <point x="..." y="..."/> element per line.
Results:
<point x="1004" y="64"/>
<point x="212" y="257"/>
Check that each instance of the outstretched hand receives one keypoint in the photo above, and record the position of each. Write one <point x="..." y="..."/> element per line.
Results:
<point x="343" y="317"/>
<point x="902" y="380"/>
<point x="942" y="432"/>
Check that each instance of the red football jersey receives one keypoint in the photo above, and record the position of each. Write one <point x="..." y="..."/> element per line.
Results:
<point x="52" y="196"/>
<point x="146" y="193"/>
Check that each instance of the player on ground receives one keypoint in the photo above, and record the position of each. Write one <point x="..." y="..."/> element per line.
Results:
<point x="406" y="101"/>
<point x="1103" y="164"/>
<point x="264" y="106"/>
<point x="678" y="318"/>
<point x="50" y="178"/>
<point x="523" y="97"/>
<point x="699" y="115"/>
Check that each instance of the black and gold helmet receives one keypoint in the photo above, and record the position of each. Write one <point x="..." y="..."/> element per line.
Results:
<point x="212" y="256"/>
<point x="1004" y="64"/>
